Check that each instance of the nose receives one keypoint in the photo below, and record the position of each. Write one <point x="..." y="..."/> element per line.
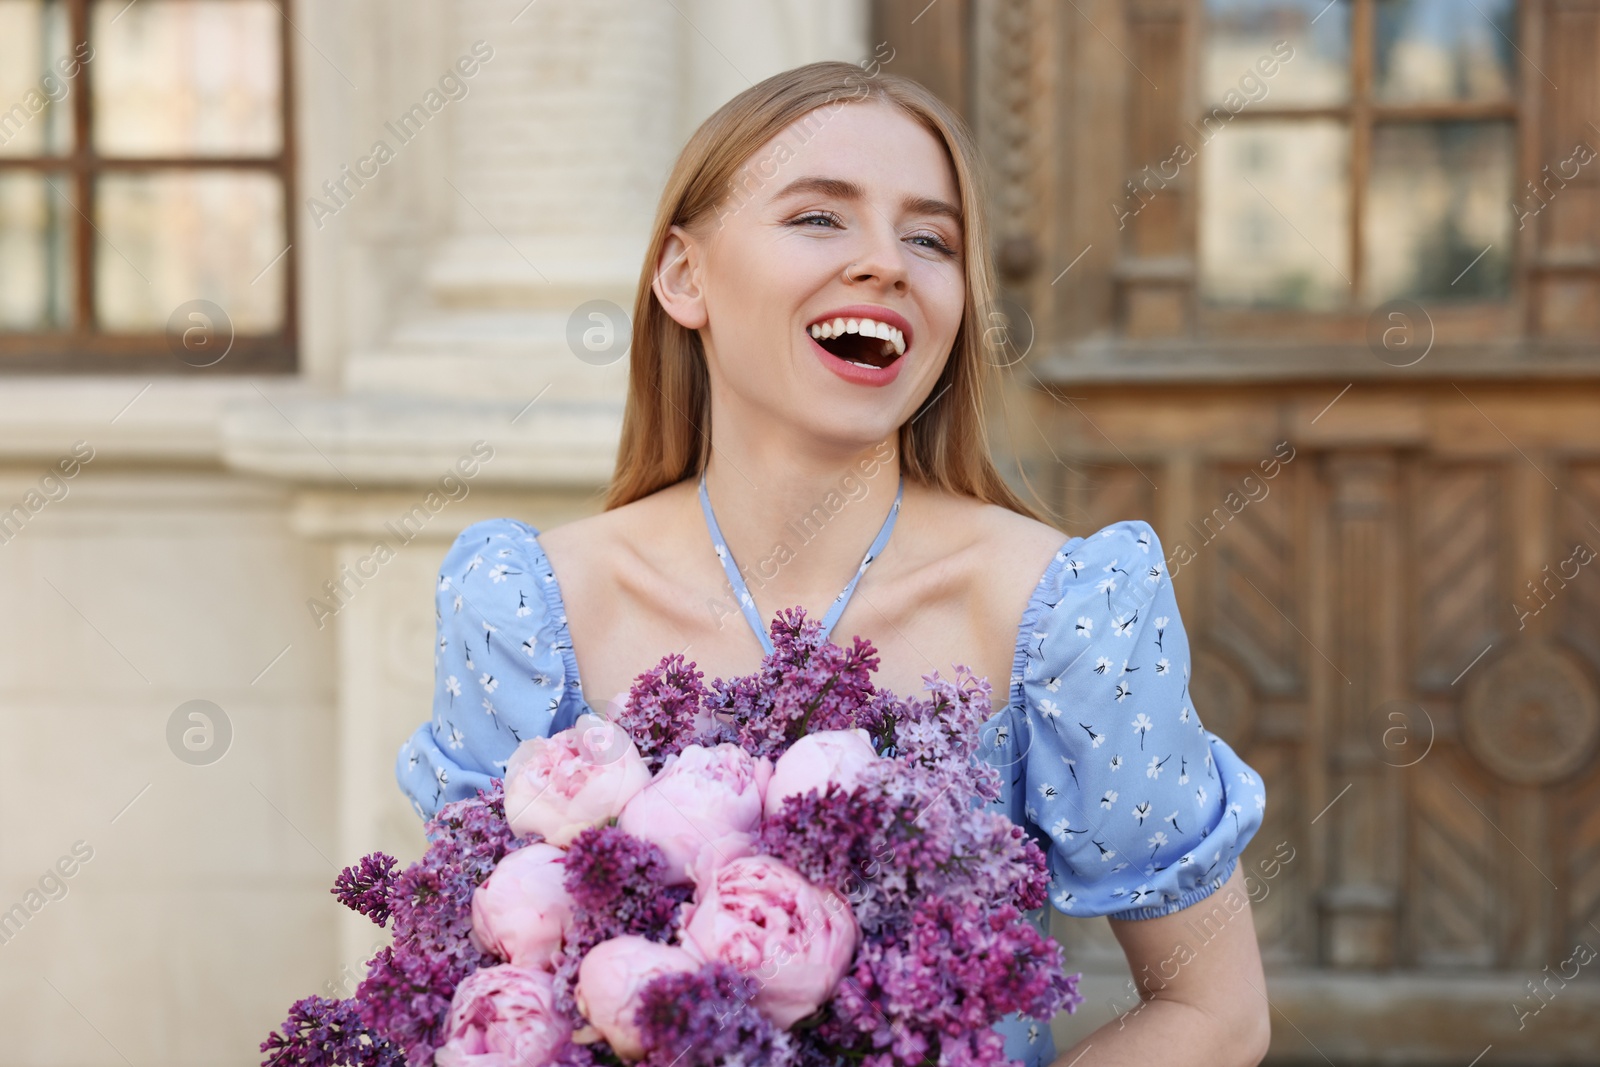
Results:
<point x="880" y="261"/>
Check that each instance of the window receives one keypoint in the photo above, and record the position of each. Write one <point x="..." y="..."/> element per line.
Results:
<point x="1355" y="152"/>
<point x="145" y="183"/>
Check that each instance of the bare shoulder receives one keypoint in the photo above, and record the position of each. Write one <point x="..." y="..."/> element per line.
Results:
<point x="1000" y="552"/>
<point x="600" y="555"/>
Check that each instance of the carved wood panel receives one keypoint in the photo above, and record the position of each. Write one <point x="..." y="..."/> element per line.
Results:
<point x="1452" y="908"/>
<point x="1458" y="547"/>
<point x="1579" y="606"/>
<point x="1256" y="598"/>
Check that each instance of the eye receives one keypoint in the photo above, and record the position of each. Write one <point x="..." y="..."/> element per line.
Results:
<point x="826" y="217"/>
<point x="933" y="241"/>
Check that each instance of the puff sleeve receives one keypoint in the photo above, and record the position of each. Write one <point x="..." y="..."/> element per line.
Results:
<point x="500" y="664"/>
<point x="1141" y="810"/>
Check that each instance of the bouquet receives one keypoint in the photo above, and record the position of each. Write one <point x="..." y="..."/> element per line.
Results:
<point x="788" y="868"/>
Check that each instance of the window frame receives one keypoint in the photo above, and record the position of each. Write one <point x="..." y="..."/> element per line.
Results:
<point x="85" y="349"/>
<point x="1455" y="322"/>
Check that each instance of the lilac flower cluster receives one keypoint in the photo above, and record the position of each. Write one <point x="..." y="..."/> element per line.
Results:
<point x="705" y="1018"/>
<point x="907" y="829"/>
<point x="410" y="982"/>
<point x="900" y="835"/>
<point x="946" y="978"/>
<point x="327" y="1033"/>
<point x="806" y="685"/>
<point x="618" y="884"/>
<point x="364" y="888"/>
<point x="662" y="704"/>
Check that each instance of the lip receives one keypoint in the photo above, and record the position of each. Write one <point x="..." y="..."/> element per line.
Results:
<point x="868" y="311"/>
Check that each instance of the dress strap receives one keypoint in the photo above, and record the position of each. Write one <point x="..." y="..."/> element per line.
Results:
<point x="747" y="603"/>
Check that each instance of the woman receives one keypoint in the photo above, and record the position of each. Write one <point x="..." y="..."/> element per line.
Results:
<point x="808" y="359"/>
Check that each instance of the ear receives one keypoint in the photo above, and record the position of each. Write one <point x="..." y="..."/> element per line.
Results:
<point x="677" y="283"/>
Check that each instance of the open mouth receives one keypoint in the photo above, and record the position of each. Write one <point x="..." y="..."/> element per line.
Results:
<point x="862" y="341"/>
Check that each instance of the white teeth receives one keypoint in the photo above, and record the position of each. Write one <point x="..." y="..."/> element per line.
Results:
<point x="864" y="327"/>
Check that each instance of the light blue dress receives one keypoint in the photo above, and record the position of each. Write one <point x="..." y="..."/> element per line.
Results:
<point x="1140" y="809"/>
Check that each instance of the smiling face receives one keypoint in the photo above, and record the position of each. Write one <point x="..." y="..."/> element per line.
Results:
<point x="829" y="286"/>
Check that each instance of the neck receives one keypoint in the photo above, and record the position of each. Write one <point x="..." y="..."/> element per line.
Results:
<point x="798" y="530"/>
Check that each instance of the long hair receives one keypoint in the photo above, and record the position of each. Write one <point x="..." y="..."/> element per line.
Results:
<point x="666" y="423"/>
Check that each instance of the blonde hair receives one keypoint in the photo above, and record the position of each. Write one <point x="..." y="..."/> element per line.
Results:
<point x="666" y="423"/>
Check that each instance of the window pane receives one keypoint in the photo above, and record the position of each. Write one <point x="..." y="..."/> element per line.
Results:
<point x="174" y="236"/>
<point x="1433" y="50"/>
<point x="35" y="251"/>
<point x="1437" y="201"/>
<point x="1275" y="227"/>
<point x="1313" y="70"/>
<point x="39" y="71"/>
<point x="186" y="77"/>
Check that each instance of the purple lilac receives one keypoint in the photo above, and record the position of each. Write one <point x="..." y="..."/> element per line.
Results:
<point x="706" y="1018"/>
<point x="660" y="713"/>
<point x="904" y="831"/>
<point x="618" y="886"/>
<point x="409" y="983"/>
<point x="617" y="882"/>
<point x="365" y="887"/>
<point x="804" y="685"/>
<point x="934" y="991"/>
<point x="327" y="1033"/>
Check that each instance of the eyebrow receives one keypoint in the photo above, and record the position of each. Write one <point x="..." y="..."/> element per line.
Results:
<point x="841" y="189"/>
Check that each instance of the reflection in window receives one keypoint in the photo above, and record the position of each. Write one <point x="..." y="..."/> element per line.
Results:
<point x="1276" y="229"/>
<point x="36" y="119"/>
<point x="35" y="256"/>
<point x="178" y="78"/>
<point x="1437" y="223"/>
<point x="167" y="235"/>
<point x="1240" y="32"/>
<point x="1434" y="50"/>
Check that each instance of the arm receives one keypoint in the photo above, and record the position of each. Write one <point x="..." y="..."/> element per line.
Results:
<point x="1202" y="1001"/>
<point x="1145" y="811"/>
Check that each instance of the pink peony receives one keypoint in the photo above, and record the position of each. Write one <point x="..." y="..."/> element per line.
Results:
<point x="503" y="1016"/>
<point x="817" y="759"/>
<point x="561" y="785"/>
<point x="610" y="979"/>
<point x="522" y="911"/>
<point x="795" y="939"/>
<point x="703" y="798"/>
<point x="724" y="849"/>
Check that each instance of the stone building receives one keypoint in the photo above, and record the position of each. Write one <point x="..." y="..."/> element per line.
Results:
<point x="272" y="282"/>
